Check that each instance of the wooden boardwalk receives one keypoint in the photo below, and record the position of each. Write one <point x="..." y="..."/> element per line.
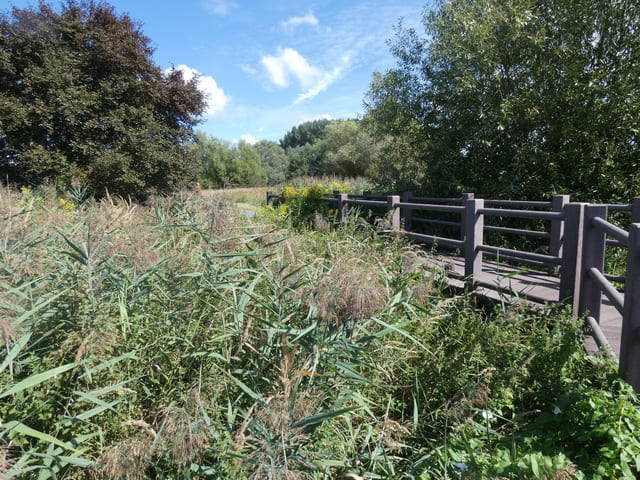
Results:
<point x="575" y="240"/>
<point x="507" y="283"/>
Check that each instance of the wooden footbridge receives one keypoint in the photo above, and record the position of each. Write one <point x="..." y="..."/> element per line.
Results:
<point x="569" y="268"/>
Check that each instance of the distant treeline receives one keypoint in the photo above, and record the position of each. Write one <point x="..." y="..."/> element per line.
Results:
<point x="320" y="147"/>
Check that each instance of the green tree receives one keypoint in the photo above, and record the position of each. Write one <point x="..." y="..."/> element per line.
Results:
<point x="301" y="145"/>
<point x="81" y="99"/>
<point x="304" y="160"/>
<point x="350" y="151"/>
<point x="274" y="161"/>
<point x="224" y="164"/>
<point x="305" y="133"/>
<point x="519" y="97"/>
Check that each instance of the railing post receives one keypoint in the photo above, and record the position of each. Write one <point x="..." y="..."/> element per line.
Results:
<point x="630" y="338"/>
<point x="366" y="195"/>
<point x="394" y="212"/>
<point x="593" y="245"/>
<point x="270" y="199"/>
<point x="336" y="194"/>
<point x="406" y="213"/>
<point x="635" y="210"/>
<point x="342" y="206"/>
<point x="557" y="226"/>
<point x="571" y="255"/>
<point x="473" y="227"/>
<point x="465" y="197"/>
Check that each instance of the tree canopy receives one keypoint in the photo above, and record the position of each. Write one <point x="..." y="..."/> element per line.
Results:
<point x="224" y="164"/>
<point x="349" y="149"/>
<point x="82" y="100"/>
<point x="518" y="98"/>
<point x="305" y="133"/>
<point x="273" y="160"/>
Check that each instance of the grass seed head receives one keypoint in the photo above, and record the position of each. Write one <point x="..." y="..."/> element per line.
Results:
<point x="349" y="292"/>
<point x="183" y="436"/>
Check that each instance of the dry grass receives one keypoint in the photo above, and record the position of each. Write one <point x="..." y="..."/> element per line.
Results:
<point x="6" y="462"/>
<point x="253" y="196"/>
<point x="130" y="458"/>
<point x="182" y="436"/>
<point x="350" y="291"/>
<point x="270" y="437"/>
<point x="127" y="460"/>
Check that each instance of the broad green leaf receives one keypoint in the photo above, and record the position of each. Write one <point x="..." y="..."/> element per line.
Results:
<point x="36" y="379"/>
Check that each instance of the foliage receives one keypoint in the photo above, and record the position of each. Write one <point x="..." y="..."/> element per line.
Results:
<point x="349" y="149"/>
<point x="302" y="146"/>
<point x="518" y="98"/>
<point x="305" y="160"/>
<point x="304" y="134"/>
<point x="273" y="160"/>
<point x="82" y="100"/>
<point x="302" y="204"/>
<point x="225" y="165"/>
<point x="176" y="340"/>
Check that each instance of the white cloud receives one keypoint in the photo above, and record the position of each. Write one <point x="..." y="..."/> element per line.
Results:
<point x="248" y="138"/>
<point x="308" y="19"/>
<point x="249" y="70"/>
<point x="218" y="7"/>
<point x="289" y="63"/>
<point x="213" y="95"/>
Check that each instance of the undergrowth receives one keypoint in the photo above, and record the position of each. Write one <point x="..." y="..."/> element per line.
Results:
<point x="181" y="340"/>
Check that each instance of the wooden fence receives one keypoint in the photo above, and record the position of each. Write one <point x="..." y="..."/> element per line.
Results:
<point x="577" y="234"/>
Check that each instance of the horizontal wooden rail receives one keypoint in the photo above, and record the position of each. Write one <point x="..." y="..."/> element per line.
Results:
<point x="437" y="199"/>
<point x="432" y="207"/>
<point x="434" y="240"/>
<point x="517" y="231"/>
<point x="538" y="257"/>
<point x="614" y="278"/>
<point x="518" y="203"/>
<point x="598" y="335"/>
<point x="447" y="223"/>
<point x="505" y="212"/>
<point x="619" y="208"/>
<point x="523" y="261"/>
<point x="616" y="232"/>
<point x="615" y="243"/>
<point x="367" y="203"/>
<point x="617" y="299"/>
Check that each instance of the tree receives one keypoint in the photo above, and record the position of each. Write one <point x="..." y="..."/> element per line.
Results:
<point x="307" y="159"/>
<point x="519" y="97"/>
<point x="223" y="164"/>
<point x="273" y="160"/>
<point x="83" y="101"/>
<point x="305" y="133"/>
<point x="350" y="151"/>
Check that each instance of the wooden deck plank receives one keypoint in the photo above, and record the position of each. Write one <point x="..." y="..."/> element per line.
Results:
<point x="504" y="282"/>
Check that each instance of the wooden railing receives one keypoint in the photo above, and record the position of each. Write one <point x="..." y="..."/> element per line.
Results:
<point x="577" y="235"/>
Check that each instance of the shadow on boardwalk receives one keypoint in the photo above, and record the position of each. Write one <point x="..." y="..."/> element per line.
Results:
<point x="507" y="283"/>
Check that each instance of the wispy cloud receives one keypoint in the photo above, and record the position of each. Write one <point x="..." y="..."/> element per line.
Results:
<point x="288" y="64"/>
<point x="292" y="22"/>
<point x="218" y="7"/>
<point x="213" y="95"/>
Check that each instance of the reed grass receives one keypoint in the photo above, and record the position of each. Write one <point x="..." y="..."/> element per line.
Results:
<point x="180" y="340"/>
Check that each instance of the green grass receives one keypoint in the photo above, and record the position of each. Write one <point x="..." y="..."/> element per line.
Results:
<point x="178" y="340"/>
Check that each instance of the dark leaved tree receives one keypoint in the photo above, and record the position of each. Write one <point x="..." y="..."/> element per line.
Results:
<point x="82" y="100"/>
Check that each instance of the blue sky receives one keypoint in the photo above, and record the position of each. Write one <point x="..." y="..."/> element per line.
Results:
<point x="269" y="65"/>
